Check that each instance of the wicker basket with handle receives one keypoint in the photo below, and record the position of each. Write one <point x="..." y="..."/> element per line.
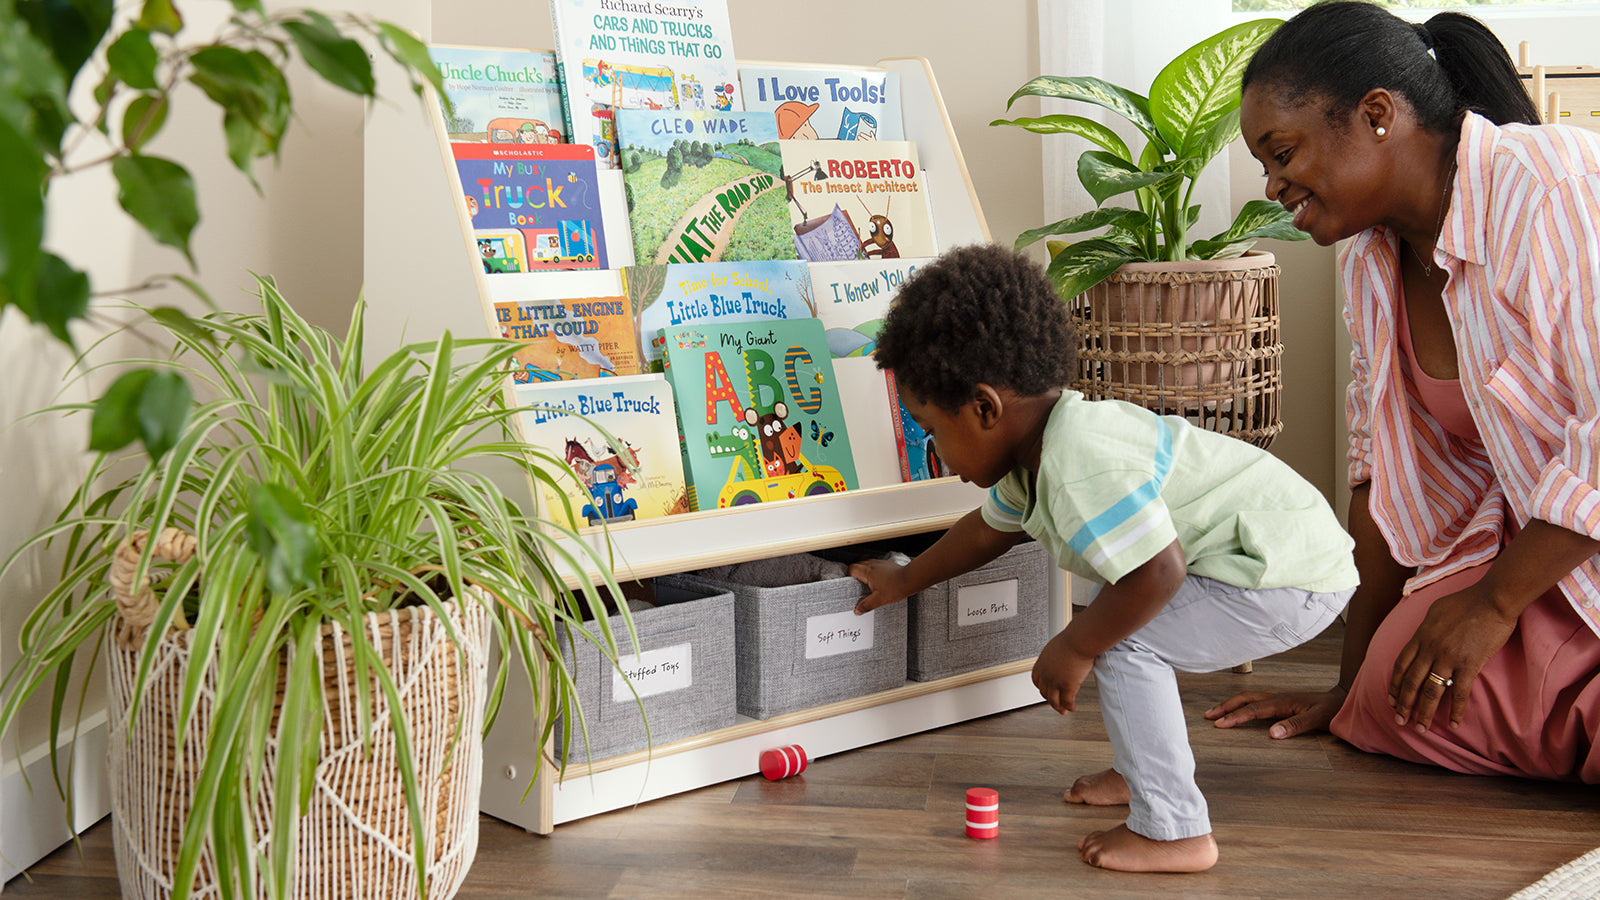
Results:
<point x="355" y="839"/>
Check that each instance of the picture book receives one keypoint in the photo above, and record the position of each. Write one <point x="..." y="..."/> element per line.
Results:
<point x="852" y="299"/>
<point x="854" y="200"/>
<point x="499" y="95"/>
<point x="703" y="186"/>
<point x="534" y="207"/>
<point x="914" y="448"/>
<point x="830" y="103"/>
<point x="668" y="296"/>
<point x="574" y="324"/>
<point x="626" y="54"/>
<point x="759" y="411"/>
<point x="620" y="437"/>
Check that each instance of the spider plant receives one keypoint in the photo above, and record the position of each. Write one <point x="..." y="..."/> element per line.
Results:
<point x="318" y="489"/>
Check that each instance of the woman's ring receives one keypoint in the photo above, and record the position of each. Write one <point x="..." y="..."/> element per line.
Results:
<point x="1440" y="680"/>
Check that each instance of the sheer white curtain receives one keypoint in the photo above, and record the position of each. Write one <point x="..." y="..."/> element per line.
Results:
<point x="1126" y="42"/>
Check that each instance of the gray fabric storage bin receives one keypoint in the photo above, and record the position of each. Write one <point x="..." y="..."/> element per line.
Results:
<point x="962" y="624"/>
<point x="686" y="640"/>
<point x="784" y="643"/>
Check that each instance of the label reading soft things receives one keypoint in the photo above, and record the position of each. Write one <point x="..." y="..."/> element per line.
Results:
<point x="981" y="603"/>
<point x="652" y="672"/>
<point x="837" y="633"/>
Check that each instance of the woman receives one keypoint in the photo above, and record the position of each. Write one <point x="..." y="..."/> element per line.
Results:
<point x="1474" y="408"/>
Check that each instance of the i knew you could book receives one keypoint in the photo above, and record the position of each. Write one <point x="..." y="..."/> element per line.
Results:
<point x="703" y="186"/>
<point x="857" y="200"/>
<point x="629" y="467"/>
<point x="759" y="412"/>
<point x="533" y="207"/>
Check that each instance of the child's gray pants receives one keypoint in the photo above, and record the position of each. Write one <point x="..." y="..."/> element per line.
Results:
<point x="1207" y="626"/>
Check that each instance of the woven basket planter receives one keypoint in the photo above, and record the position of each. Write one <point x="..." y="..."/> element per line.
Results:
<point x="355" y="839"/>
<point x="1197" y="339"/>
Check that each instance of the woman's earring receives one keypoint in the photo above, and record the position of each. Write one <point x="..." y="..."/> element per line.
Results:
<point x="1381" y="131"/>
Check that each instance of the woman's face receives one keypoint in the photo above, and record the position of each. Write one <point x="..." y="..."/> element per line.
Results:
<point x="1330" y="178"/>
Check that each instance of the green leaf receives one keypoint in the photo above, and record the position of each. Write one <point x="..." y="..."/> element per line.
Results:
<point x="70" y="28"/>
<point x="1201" y="84"/>
<point x="33" y="88"/>
<point x="1257" y="219"/>
<point x="143" y="119"/>
<point x="1192" y="160"/>
<point x="1063" y="124"/>
<point x="163" y="411"/>
<point x="339" y="60"/>
<point x="1104" y="176"/>
<point x="1077" y="267"/>
<point x="133" y="59"/>
<point x="159" y="194"/>
<point x="62" y="296"/>
<point x="1098" y="218"/>
<point x="21" y="219"/>
<point x="407" y="50"/>
<point x="114" y="424"/>
<point x="161" y="16"/>
<point x="179" y="322"/>
<point x="279" y="529"/>
<point x="1125" y="103"/>
<point x="254" y="96"/>
<point x="248" y="6"/>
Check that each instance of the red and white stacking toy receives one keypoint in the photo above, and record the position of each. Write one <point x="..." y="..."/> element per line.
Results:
<point x="783" y="762"/>
<point x="983" y="813"/>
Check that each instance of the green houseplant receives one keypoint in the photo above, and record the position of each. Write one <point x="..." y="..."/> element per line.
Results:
<point x="314" y="496"/>
<point x="1192" y="113"/>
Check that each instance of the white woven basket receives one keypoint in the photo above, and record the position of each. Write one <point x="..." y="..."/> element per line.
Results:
<point x="355" y="839"/>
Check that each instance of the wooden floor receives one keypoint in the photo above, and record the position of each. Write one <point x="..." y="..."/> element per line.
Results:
<point x="1306" y="818"/>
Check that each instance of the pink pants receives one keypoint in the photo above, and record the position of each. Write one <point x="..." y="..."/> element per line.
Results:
<point x="1534" y="709"/>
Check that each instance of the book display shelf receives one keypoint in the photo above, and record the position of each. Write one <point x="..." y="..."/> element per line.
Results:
<point x="421" y="279"/>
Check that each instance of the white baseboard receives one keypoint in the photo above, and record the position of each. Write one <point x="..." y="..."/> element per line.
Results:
<point x="33" y="817"/>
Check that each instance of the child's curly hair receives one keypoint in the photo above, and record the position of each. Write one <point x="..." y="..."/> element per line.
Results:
<point x="977" y="314"/>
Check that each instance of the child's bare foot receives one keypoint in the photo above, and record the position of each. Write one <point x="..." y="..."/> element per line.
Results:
<point x="1100" y="789"/>
<point x="1125" y="851"/>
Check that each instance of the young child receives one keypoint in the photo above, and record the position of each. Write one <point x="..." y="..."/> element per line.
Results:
<point x="1211" y="552"/>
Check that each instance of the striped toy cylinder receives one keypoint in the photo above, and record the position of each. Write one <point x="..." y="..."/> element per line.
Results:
<point x="983" y="813"/>
<point x="781" y="762"/>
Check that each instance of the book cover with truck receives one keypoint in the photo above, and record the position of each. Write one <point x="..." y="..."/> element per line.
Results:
<point x="533" y="207"/>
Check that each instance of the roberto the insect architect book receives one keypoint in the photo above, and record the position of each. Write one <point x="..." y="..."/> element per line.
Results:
<point x="759" y="412"/>
<point x="856" y="200"/>
<point x="620" y="437"/>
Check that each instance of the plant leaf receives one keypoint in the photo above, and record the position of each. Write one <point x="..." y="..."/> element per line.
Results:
<point x="279" y="529"/>
<point x="411" y="53"/>
<point x="1194" y="159"/>
<point x="62" y="295"/>
<point x="133" y="59"/>
<point x="1078" y="125"/>
<point x="339" y="60"/>
<point x="1201" y="84"/>
<point x="114" y="423"/>
<point x="163" y="411"/>
<point x="1104" y="175"/>
<point x="70" y="28"/>
<point x="160" y="15"/>
<point x="1078" y="267"/>
<point x="1125" y="103"/>
<point x="159" y="194"/>
<point x="1098" y="218"/>
<point x="21" y="219"/>
<point x="1257" y="219"/>
<point x="143" y="119"/>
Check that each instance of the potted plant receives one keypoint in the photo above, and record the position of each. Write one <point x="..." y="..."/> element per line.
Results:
<point x="1164" y="316"/>
<point x="298" y="598"/>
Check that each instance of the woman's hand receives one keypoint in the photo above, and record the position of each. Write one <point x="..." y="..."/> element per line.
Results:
<point x="1300" y="713"/>
<point x="1457" y="636"/>
<point x="1059" y="672"/>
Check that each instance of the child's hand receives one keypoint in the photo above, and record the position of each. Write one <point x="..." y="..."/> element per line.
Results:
<point x="882" y="578"/>
<point x="1059" y="672"/>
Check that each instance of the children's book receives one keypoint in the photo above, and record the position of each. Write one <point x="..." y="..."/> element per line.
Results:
<point x="669" y="296"/>
<point x="627" y="54"/>
<point x="620" y="437"/>
<point x="830" y="103"/>
<point x="759" y="412"/>
<point x="576" y="324"/>
<point x="852" y="200"/>
<point x="499" y="95"/>
<point x="852" y="299"/>
<point x="914" y="448"/>
<point x="703" y="186"/>
<point x="534" y="207"/>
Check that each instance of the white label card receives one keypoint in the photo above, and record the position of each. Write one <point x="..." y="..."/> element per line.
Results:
<point x="981" y="603"/>
<point x="653" y="672"/>
<point x="837" y="633"/>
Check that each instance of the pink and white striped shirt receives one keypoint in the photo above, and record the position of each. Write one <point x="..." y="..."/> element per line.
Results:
<point x="1521" y="242"/>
